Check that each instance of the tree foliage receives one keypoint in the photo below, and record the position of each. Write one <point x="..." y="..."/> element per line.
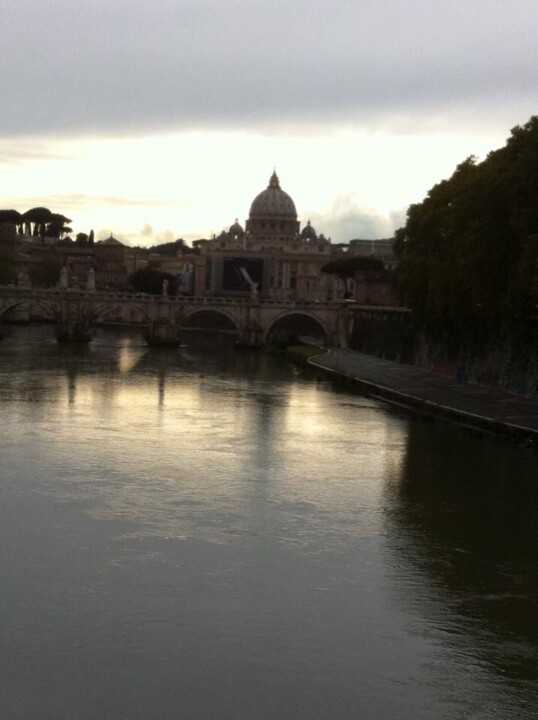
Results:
<point x="57" y="226"/>
<point x="45" y="222"/>
<point x="346" y="267"/>
<point x="10" y="216"/>
<point x="7" y="266"/>
<point x="37" y="215"/>
<point x="469" y="252"/>
<point x="172" y="249"/>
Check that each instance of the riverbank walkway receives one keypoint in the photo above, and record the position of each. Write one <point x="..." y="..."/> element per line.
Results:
<point x="471" y="405"/>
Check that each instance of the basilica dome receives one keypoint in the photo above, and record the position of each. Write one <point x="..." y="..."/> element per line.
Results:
<point x="236" y="229"/>
<point x="308" y="232"/>
<point x="273" y="203"/>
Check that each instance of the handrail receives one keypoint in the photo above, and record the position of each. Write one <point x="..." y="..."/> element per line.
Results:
<point x="188" y="300"/>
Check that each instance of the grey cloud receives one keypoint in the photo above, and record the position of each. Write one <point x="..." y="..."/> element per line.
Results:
<point x="145" y="238"/>
<point x="125" y="67"/>
<point x="14" y="151"/>
<point x="79" y="201"/>
<point x="345" y="220"/>
<point x="140" y="202"/>
<point x="166" y="236"/>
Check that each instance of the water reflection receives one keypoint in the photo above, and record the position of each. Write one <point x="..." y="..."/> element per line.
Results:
<point x="209" y="530"/>
<point x="129" y="356"/>
<point x="462" y="517"/>
<point x="238" y="428"/>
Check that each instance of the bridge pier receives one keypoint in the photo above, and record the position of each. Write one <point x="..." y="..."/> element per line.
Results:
<point x="162" y="333"/>
<point x="344" y="327"/>
<point x="75" y="311"/>
<point x="74" y="321"/>
<point x="73" y="331"/>
<point x="250" y="329"/>
<point x="251" y="337"/>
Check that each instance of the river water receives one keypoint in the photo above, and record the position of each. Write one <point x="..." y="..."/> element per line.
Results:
<point x="208" y="534"/>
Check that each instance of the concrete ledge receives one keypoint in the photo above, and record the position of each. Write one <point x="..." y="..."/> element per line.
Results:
<point x="452" y="413"/>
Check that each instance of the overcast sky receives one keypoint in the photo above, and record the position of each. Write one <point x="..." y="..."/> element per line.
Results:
<point x="165" y="119"/>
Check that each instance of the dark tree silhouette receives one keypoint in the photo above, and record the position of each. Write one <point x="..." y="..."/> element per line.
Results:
<point x="469" y="252"/>
<point x="347" y="267"/>
<point x="10" y="216"/>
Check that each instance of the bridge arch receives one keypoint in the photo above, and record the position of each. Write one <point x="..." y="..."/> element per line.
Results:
<point x="104" y="311"/>
<point x="252" y="320"/>
<point x="207" y="315"/>
<point x="293" y="320"/>
<point x="48" y="309"/>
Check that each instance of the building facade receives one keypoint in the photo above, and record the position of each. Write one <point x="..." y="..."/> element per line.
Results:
<point x="271" y="256"/>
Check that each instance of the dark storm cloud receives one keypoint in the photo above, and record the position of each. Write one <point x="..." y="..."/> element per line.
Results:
<point x="126" y="66"/>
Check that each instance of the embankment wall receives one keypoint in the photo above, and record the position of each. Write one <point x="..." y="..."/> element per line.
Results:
<point x="502" y="365"/>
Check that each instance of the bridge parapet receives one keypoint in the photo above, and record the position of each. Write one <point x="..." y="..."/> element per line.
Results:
<point x="75" y="311"/>
<point x="71" y="293"/>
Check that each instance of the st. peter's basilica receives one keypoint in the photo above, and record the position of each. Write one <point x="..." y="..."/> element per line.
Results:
<point x="271" y="256"/>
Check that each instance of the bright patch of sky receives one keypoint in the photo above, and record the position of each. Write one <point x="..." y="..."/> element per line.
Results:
<point x="164" y="120"/>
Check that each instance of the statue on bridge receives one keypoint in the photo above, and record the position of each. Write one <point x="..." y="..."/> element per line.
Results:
<point x="64" y="281"/>
<point x="90" y="282"/>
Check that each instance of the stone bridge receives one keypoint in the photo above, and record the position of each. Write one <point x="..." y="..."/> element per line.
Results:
<point x="76" y="311"/>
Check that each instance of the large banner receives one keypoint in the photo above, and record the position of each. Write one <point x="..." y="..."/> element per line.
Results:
<point x="239" y="274"/>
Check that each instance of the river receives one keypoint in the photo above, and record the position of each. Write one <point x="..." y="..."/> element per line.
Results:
<point x="204" y="533"/>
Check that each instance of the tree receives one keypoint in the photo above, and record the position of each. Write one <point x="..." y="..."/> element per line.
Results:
<point x="58" y="226"/>
<point x="10" y="216"/>
<point x="171" y="249"/>
<point x="45" y="222"/>
<point x="467" y="252"/>
<point x="7" y="266"/>
<point x="347" y="267"/>
<point x="36" y="216"/>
